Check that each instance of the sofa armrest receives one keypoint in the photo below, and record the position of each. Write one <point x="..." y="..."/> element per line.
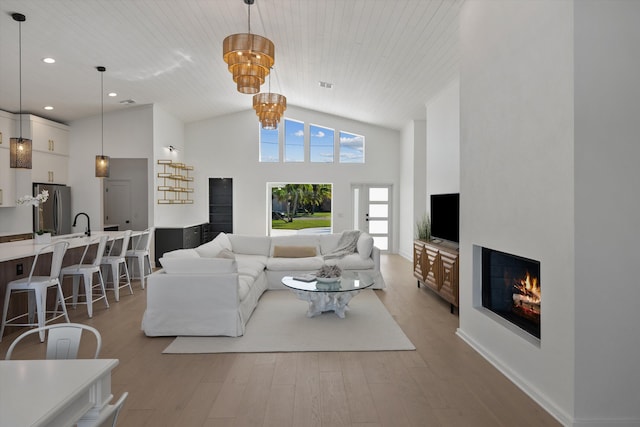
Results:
<point x="192" y="291"/>
<point x="375" y="255"/>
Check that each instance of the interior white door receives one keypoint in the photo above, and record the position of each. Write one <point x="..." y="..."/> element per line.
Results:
<point x="117" y="203"/>
<point x="372" y="212"/>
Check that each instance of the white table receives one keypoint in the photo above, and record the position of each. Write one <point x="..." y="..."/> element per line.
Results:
<point x="334" y="296"/>
<point x="53" y="392"/>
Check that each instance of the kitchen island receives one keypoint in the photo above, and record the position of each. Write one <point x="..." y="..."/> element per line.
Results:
<point x="16" y="259"/>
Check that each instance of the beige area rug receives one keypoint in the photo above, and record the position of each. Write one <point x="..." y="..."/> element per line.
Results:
<point x="279" y="324"/>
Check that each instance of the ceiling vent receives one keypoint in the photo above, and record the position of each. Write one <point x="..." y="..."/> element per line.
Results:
<point x="326" y="85"/>
<point x="128" y="101"/>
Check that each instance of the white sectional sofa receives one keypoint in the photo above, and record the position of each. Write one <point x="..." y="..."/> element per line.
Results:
<point x="213" y="289"/>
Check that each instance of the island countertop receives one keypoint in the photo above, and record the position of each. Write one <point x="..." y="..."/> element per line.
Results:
<point x="27" y="248"/>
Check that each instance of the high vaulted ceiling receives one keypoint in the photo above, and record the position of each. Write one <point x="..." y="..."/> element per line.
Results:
<point x="385" y="58"/>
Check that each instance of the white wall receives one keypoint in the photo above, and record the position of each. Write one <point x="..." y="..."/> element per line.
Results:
<point x="168" y="130"/>
<point x="443" y="141"/>
<point x="516" y="182"/>
<point x="127" y="134"/>
<point x="607" y="206"/>
<point x="228" y="147"/>
<point x="412" y="183"/>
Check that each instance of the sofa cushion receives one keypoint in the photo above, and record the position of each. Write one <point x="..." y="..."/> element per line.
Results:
<point x="351" y="262"/>
<point x="295" y="264"/>
<point x="294" y="251"/>
<point x="213" y="248"/>
<point x="181" y="253"/>
<point x="295" y="240"/>
<point x="250" y="245"/>
<point x="199" y="265"/>
<point x="365" y="245"/>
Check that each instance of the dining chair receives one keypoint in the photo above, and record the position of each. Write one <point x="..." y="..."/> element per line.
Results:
<point x="114" y="260"/>
<point x="36" y="289"/>
<point x="140" y="253"/>
<point x="108" y="416"/>
<point x="86" y="272"/>
<point x="63" y="340"/>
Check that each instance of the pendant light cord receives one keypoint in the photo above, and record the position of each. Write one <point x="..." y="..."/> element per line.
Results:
<point x="102" y="112"/>
<point x="20" y="73"/>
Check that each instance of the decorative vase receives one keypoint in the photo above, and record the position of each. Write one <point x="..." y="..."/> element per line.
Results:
<point x="41" y="239"/>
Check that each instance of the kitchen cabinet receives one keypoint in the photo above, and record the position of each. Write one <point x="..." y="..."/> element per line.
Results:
<point x="49" y="168"/>
<point x="172" y="238"/>
<point x="50" y="145"/>
<point x="7" y="175"/>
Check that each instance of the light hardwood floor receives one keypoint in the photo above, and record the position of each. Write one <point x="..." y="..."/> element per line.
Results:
<point x="443" y="383"/>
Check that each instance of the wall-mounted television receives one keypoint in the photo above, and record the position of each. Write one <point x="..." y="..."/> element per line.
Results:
<point x="445" y="217"/>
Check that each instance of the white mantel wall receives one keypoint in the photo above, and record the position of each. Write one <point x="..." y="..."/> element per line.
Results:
<point x="227" y="147"/>
<point x="607" y="201"/>
<point x="516" y="183"/>
<point x="549" y="153"/>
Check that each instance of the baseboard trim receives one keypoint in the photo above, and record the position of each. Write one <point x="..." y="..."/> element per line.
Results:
<point x="560" y="415"/>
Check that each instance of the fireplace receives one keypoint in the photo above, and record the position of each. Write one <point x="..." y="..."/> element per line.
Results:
<point x="511" y="289"/>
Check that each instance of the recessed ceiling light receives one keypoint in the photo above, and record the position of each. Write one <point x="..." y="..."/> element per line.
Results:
<point x="112" y="94"/>
<point x="326" y="85"/>
<point x="48" y="60"/>
<point x="48" y="107"/>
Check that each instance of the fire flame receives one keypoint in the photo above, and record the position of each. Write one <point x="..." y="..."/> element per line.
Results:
<point x="528" y="290"/>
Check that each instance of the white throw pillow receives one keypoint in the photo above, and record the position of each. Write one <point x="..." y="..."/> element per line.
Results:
<point x="365" y="245"/>
<point x="250" y="245"/>
<point x="212" y="249"/>
<point x="199" y="265"/>
<point x="182" y="253"/>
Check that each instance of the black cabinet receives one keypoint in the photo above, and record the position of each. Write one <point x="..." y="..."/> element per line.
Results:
<point x="220" y="206"/>
<point x="170" y="239"/>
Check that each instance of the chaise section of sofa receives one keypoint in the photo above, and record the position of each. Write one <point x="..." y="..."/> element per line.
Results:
<point x="213" y="289"/>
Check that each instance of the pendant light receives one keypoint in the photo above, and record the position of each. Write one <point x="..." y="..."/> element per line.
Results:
<point x="20" y="148"/>
<point x="249" y="57"/>
<point x="269" y="108"/>
<point x="102" y="161"/>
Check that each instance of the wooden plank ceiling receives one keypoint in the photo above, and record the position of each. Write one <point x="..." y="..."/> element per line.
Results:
<point x="385" y="58"/>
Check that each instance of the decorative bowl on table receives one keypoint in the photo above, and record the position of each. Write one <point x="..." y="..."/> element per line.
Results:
<point x="328" y="279"/>
<point x="328" y="274"/>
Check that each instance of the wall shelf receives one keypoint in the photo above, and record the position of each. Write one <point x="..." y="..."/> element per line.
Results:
<point x="176" y="188"/>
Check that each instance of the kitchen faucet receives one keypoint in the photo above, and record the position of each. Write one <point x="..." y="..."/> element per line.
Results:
<point x="88" y="232"/>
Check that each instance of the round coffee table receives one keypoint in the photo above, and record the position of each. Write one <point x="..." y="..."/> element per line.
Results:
<point x="329" y="296"/>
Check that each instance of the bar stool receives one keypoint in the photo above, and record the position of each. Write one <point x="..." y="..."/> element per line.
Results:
<point x="36" y="289"/>
<point x="86" y="271"/>
<point x="113" y="263"/>
<point x="140" y="253"/>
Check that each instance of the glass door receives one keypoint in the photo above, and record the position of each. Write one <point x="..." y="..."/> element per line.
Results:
<point x="372" y="212"/>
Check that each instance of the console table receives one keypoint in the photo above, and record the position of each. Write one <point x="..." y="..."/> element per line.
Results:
<point x="436" y="265"/>
<point x="53" y="392"/>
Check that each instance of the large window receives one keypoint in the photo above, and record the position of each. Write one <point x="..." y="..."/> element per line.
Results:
<point x="300" y="209"/>
<point x="293" y="141"/>
<point x="321" y="144"/>
<point x="351" y="148"/>
<point x="269" y="145"/>
<point x="318" y="147"/>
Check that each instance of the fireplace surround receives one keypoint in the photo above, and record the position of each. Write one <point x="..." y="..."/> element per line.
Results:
<point x="511" y="289"/>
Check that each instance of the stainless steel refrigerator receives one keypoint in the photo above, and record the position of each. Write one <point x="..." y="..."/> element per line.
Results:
<point x="56" y="211"/>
